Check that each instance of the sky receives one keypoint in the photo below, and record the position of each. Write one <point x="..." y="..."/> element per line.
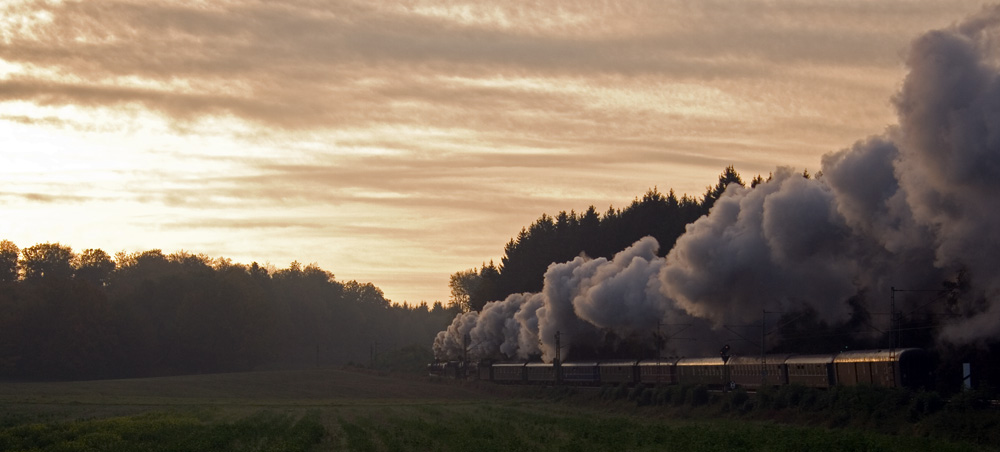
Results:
<point x="400" y="142"/>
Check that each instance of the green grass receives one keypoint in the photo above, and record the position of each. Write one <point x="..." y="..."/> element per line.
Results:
<point x="492" y="427"/>
<point x="163" y="432"/>
<point x="318" y="410"/>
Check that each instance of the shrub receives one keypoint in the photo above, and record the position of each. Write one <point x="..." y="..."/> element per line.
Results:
<point x="663" y="394"/>
<point x="738" y="397"/>
<point x="765" y="398"/>
<point x="633" y="395"/>
<point x="793" y="395"/>
<point x="698" y="396"/>
<point x="809" y="399"/>
<point x="621" y="391"/>
<point x="679" y="394"/>
<point x="646" y="397"/>
<point x="967" y="401"/>
<point x="925" y="403"/>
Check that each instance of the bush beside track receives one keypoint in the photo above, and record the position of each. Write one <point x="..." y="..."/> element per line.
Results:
<point x="970" y="416"/>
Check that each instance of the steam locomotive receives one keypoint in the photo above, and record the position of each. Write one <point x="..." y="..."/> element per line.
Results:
<point x="902" y="368"/>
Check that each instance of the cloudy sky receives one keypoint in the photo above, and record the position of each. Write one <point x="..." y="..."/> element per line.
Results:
<point x="399" y="142"/>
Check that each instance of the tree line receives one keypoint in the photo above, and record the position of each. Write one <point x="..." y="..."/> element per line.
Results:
<point x="567" y="235"/>
<point x="65" y="315"/>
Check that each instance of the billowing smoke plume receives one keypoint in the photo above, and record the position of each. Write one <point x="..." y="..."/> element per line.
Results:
<point x="583" y="299"/>
<point x="913" y="207"/>
<point x="949" y="163"/>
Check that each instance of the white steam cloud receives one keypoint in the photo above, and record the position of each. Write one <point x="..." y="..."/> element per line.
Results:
<point x="913" y="207"/>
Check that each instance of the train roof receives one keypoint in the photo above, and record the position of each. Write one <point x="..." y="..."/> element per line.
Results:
<point x="538" y="364"/>
<point x="658" y="362"/>
<point x="880" y="355"/>
<point x="509" y="364"/>
<point x="883" y="355"/>
<point x="579" y="364"/>
<point x="752" y="359"/>
<point x="618" y="362"/>
<point x="713" y="361"/>
<point x="810" y="359"/>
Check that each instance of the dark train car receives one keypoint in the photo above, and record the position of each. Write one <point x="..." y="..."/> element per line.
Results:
<point x="540" y="373"/>
<point x="915" y="369"/>
<point x="750" y="372"/>
<point x="618" y="372"/>
<point x="484" y="370"/>
<point x="702" y="371"/>
<point x="889" y="368"/>
<point x="508" y="373"/>
<point x="450" y="369"/>
<point x="582" y="373"/>
<point x="656" y="371"/>
<point x="904" y="367"/>
<point x="815" y="371"/>
<point x="462" y="369"/>
<point x="436" y="369"/>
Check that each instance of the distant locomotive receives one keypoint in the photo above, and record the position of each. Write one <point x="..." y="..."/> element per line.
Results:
<point x="896" y="368"/>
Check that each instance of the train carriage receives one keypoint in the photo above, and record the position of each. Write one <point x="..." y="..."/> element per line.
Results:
<point x="508" y="372"/>
<point x="703" y="371"/>
<point x="815" y="371"/>
<point x="889" y="368"/>
<point x="454" y="369"/>
<point x="484" y="370"/>
<point x="656" y="371"/>
<point x="893" y="368"/>
<point x="750" y="372"/>
<point x="584" y="373"/>
<point x="436" y="369"/>
<point x="618" y="372"/>
<point x="540" y="373"/>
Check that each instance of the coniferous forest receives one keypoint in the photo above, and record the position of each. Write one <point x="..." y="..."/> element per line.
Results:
<point x="67" y="315"/>
<point x="565" y="236"/>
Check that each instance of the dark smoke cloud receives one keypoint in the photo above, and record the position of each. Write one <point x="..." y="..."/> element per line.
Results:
<point x="911" y="208"/>
<point x="583" y="300"/>
<point x="949" y="166"/>
<point x="453" y="341"/>
<point x="779" y="246"/>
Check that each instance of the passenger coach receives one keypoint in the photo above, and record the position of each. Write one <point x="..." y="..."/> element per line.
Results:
<point x="908" y="367"/>
<point x="905" y="367"/>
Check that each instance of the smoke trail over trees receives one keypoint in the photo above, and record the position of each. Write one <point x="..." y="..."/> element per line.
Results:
<point x="912" y="207"/>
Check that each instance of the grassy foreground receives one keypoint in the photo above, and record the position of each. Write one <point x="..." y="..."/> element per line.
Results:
<point x="341" y="410"/>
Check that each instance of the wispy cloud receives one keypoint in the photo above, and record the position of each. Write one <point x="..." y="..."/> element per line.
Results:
<point x="449" y="115"/>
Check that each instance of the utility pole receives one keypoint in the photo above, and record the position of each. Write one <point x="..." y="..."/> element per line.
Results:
<point x="893" y="329"/>
<point x="558" y="348"/>
<point x="659" y="339"/>
<point x="763" y="359"/>
<point x="465" y="355"/>
<point x="659" y="349"/>
<point x="726" y="377"/>
<point x="894" y="318"/>
<point x="557" y="362"/>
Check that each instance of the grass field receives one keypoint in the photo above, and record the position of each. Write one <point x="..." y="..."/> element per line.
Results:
<point x="345" y="410"/>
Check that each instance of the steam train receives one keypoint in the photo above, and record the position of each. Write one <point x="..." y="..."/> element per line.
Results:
<point x="897" y="368"/>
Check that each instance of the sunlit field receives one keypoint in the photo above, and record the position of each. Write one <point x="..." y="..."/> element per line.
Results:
<point x="353" y="410"/>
